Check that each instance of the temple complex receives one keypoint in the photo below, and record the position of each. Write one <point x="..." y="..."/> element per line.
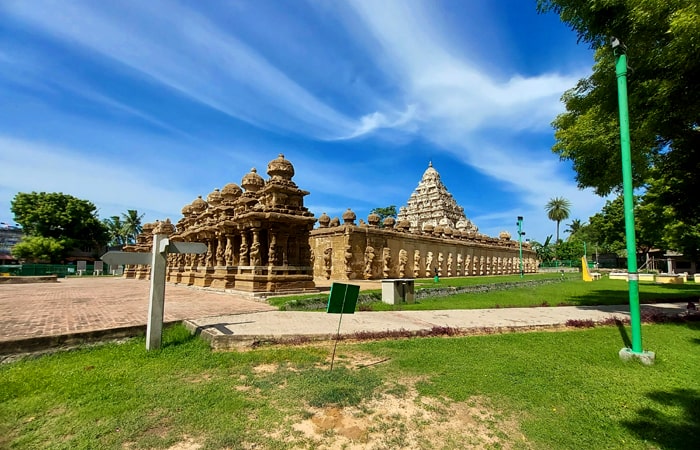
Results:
<point x="257" y="236"/>
<point x="260" y="239"/>
<point x="431" y="236"/>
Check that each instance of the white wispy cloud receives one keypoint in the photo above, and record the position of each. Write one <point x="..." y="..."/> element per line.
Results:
<point x="183" y="50"/>
<point x="479" y="116"/>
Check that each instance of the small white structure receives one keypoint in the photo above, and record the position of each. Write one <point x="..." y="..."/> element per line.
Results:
<point x="397" y="291"/>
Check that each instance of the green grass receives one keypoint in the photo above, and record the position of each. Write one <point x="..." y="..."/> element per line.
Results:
<point x="571" y="292"/>
<point x="563" y="390"/>
<point x="533" y="290"/>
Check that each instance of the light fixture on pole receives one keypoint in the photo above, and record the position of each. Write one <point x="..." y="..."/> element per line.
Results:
<point x="620" y="52"/>
<point x="521" y="233"/>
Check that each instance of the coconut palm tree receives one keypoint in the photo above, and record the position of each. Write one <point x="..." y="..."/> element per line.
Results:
<point x="132" y="224"/>
<point x="574" y="227"/>
<point x="116" y="230"/>
<point x="558" y="209"/>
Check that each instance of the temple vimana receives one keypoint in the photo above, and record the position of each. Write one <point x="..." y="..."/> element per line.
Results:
<point x="261" y="239"/>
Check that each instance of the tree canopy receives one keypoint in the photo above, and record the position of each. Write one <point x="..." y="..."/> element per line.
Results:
<point x="68" y="222"/>
<point x="383" y="213"/>
<point x="663" y="41"/>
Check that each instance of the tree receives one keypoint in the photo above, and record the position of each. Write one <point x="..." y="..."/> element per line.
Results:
<point x="574" y="228"/>
<point x="117" y="231"/>
<point x="383" y="213"/>
<point x="67" y="220"/>
<point x="544" y="252"/>
<point x="663" y="40"/>
<point x="132" y="225"/>
<point x="558" y="209"/>
<point x="40" y="249"/>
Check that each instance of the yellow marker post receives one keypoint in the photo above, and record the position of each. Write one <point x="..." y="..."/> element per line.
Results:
<point x="584" y="270"/>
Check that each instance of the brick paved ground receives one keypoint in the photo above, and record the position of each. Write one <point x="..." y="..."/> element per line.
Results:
<point x="78" y="305"/>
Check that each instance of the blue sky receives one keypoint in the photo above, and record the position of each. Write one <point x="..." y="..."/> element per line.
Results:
<point x="147" y="104"/>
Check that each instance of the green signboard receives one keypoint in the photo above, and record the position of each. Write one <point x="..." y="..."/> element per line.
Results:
<point x="343" y="298"/>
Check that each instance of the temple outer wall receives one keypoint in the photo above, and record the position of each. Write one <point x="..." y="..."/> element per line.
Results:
<point x="350" y="252"/>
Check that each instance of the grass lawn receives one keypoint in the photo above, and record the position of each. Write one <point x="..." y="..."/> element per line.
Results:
<point x="521" y="390"/>
<point x="571" y="291"/>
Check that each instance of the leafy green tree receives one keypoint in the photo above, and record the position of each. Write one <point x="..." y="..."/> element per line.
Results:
<point x="571" y="249"/>
<point x="117" y="231"/>
<point x="383" y="213"/>
<point x="40" y="249"/>
<point x="558" y="210"/>
<point x="544" y="251"/>
<point x="573" y="228"/>
<point x="663" y="40"/>
<point x="132" y="225"/>
<point x="67" y="220"/>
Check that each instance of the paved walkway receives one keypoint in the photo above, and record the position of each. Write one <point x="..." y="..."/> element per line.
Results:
<point x="76" y="310"/>
<point x="38" y="315"/>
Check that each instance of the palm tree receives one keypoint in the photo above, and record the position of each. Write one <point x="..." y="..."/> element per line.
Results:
<point x="116" y="230"/>
<point x="574" y="227"/>
<point x="132" y="224"/>
<point x="558" y="209"/>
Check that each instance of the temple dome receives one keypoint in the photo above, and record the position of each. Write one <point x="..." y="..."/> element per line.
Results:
<point x="252" y="182"/>
<point x="324" y="220"/>
<point x="280" y="168"/>
<point x="198" y="205"/>
<point x="231" y="192"/>
<point x="214" y="198"/>
<point x="349" y="216"/>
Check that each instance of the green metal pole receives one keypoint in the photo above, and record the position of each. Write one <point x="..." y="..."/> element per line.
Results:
<point x="628" y="193"/>
<point x="520" y="243"/>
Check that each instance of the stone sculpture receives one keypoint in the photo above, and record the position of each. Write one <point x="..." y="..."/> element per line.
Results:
<point x="416" y="263"/>
<point x="327" y="261"/>
<point x="386" y="258"/>
<point x="369" y="259"/>
<point x="403" y="259"/>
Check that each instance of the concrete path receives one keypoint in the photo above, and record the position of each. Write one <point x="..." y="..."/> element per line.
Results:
<point x="232" y="331"/>
<point x="36" y="317"/>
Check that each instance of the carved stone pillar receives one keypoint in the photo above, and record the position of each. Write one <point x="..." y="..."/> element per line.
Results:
<point x="243" y="258"/>
<point x="221" y="250"/>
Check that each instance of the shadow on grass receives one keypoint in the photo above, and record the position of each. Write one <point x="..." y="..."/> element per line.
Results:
<point x="623" y="333"/>
<point x="660" y="425"/>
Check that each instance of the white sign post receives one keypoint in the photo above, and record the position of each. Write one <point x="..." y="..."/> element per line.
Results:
<point x="158" y="261"/>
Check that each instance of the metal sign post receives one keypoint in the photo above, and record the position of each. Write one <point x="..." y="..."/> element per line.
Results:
<point x="158" y="262"/>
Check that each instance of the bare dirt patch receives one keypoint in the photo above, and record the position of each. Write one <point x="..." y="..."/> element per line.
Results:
<point x="406" y="420"/>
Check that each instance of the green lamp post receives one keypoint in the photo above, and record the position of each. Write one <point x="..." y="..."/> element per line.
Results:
<point x="521" y="233"/>
<point x="620" y="50"/>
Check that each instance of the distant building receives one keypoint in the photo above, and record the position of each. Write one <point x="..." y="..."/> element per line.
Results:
<point x="9" y="237"/>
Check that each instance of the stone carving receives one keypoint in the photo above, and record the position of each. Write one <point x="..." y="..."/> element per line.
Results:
<point x="416" y="263"/>
<point x="441" y="259"/>
<point x="327" y="261"/>
<point x="386" y="258"/>
<point x="272" y="251"/>
<point x="255" y="254"/>
<point x="460" y="261"/>
<point x="369" y="259"/>
<point x="348" y="260"/>
<point x="220" y="251"/>
<point x="428" y="264"/>
<point x="403" y="259"/>
<point x="449" y="265"/>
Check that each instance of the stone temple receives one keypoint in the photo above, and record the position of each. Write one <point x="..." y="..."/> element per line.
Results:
<point x="261" y="239"/>
<point x="431" y="204"/>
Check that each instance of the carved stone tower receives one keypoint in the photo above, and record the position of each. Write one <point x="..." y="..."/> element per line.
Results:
<point x="432" y="204"/>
